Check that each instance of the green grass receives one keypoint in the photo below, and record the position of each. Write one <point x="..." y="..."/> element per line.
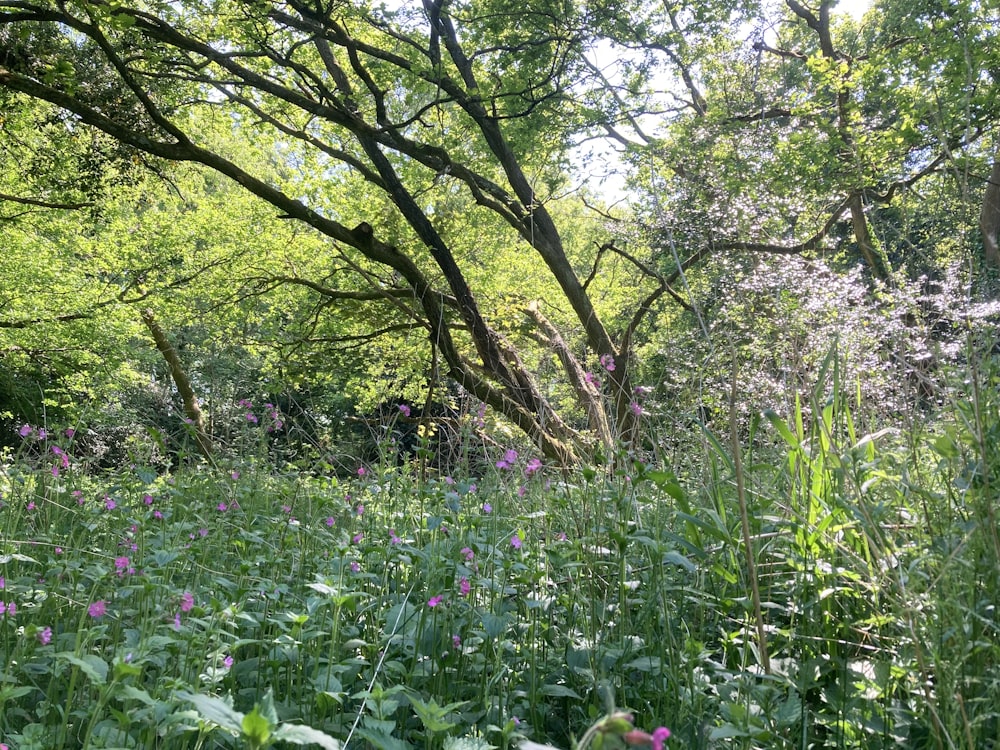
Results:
<point x="469" y="612"/>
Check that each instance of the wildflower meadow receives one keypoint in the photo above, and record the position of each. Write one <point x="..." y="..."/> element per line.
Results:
<point x="249" y="604"/>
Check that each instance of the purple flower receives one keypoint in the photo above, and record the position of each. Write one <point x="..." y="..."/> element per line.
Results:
<point x="42" y="434"/>
<point x="227" y="662"/>
<point x="330" y="521"/>
<point x="187" y="601"/>
<point x="44" y="635"/>
<point x="515" y="541"/>
<point x="404" y="410"/>
<point x="222" y="507"/>
<point x="70" y="432"/>
<point x="456" y="642"/>
<point x="109" y="504"/>
<point x="660" y="735"/>
<point x="487" y="508"/>
<point x="608" y="362"/>
<point x="362" y="471"/>
<point x="11" y="608"/>
<point x="121" y="564"/>
<point x="251" y="417"/>
<point x="177" y="621"/>
<point x="434" y="601"/>
<point x="533" y="465"/>
<point x="97" y="609"/>
<point x="26" y="429"/>
<point x="393" y="538"/>
<point x="3" y="583"/>
<point x="355" y="566"/>
<point x="147" y="499"/>
<point x="592" y="380"/>
<point x="360" y="510"/>
<point x="358" y="537"/>
<point x="467" y="553"/>
<point x="635" y="408"/>
<point x="464" y="587"/>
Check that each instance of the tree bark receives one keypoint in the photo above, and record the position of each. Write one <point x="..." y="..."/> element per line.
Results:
<point x="179" y="375"/>
<point x="989" y="216"/>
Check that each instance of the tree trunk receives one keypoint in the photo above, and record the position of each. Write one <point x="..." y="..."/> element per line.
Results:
<point x="873" y="255"/>
<point x="989" y="216"/>
<point x="191" y="409"/>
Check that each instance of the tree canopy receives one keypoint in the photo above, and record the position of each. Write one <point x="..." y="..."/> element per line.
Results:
<point x="412" y="178"/>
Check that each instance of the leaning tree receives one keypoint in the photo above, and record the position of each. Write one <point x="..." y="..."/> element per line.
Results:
<point x="447" y="130"/>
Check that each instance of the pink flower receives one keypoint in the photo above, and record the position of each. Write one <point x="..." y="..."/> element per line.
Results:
<point x="3" y="583"/>
<point x="109" y="504"/>
<point x="515" y="541"/>
<point x="393" y="538"/>
<point x="222" y="507"/>
<point x="608" y="362"/>
<point x="330" y="521"/>
<point x="522" y="491"/>
<point x="121" y="563"/>
<point x="227" y="662"/>
<point x="655" y="740"/>
<point x="404" y="410"/>
<point x="355" y="566"/>
<point x="362" y="471"/>
<point x="467" y="553"/>
<point x="360" y="510"/>
<point x="464" y="587"/>
<point x="97" y="609"/>
<point x="592" y="380"/>
<point x="434" y="601"/>
<point x="147" y="499"/>
<point x="456" y="642"/>
<point x="508" y="460"/>
<point x="187" y="601"/>
<point x="26" y="429"/>
<point x="358" y="537"/>
<point x="44" y="636"/>
<point x="177" y="621"/>
<point x="660" y="735"/>
<point x="70" y="432"/>
<point x="533" y="465"/>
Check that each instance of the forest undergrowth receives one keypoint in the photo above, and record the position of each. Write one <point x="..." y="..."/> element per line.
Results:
<point x="801" y="581"/>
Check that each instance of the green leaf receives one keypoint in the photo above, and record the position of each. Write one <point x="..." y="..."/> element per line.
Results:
<point x="782" y="428"/>
<point x="95" y="668"/>
<point x="433" y="716"/>
<point x="560" y="691"/>
<point x="256" y="728"/>
<point x="302" y="735"/>
<point x="215" y="710"/>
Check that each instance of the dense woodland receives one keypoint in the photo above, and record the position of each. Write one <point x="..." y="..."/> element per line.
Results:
<point x="679" y="316"/>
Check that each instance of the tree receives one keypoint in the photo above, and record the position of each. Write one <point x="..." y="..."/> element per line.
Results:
<point x="800" y="124"/>
<point x="455" y="96"/>
<point x="426" y="152"/>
